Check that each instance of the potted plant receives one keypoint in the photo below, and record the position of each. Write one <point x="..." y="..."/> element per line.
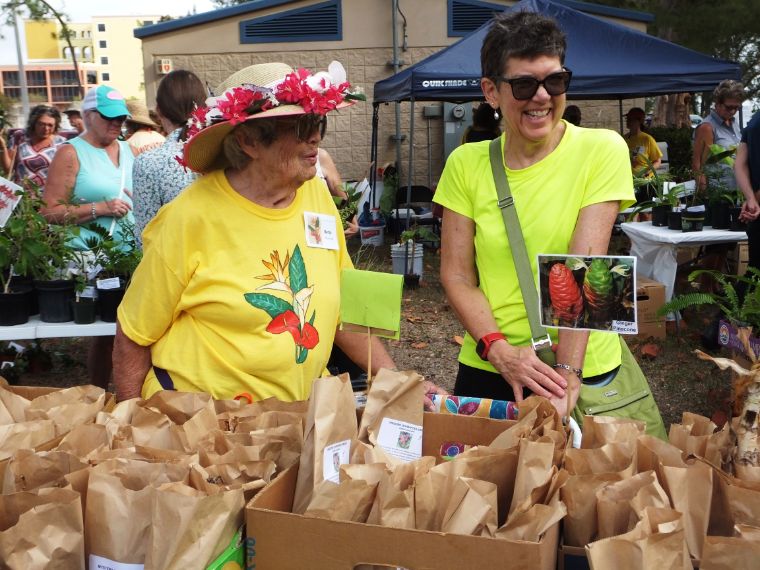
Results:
<point x="665" y="199"/>
<point x="30" y="248"/>
<point x="407" y="255"/>
<point x="723" y="200"/>
<point x="348" y="207"/>
<point x="117" y="259"/>
<point x="84" y="303"/>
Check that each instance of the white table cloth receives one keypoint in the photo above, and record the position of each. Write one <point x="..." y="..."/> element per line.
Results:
<point x="656" y="248"/>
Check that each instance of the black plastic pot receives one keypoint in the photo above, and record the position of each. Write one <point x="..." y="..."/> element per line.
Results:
<point x="108" y="303"/>
<point x="674" y="220"/>
<point x="26" y="284"/>
<point x="692" y="221"/>
<point x="13" y="309"/>
<point x="721" y="216"/>
<point x="84" y="310"/>
<point x="736" y="225"/>
<point x="660" y="215"/>
<point x="54" y="298"/>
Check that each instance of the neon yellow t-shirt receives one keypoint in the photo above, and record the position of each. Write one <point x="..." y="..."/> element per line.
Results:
<point x="229" y="296"/>
<point x="642" y="145"/>
<point x="588" y="166"/>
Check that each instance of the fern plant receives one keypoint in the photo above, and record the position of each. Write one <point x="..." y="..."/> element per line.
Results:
<point x="740" y="309"/>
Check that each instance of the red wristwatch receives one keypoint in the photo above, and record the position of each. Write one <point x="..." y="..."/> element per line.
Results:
<point x="485" y="342"/>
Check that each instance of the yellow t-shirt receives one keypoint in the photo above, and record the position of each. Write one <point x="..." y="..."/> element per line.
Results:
<point x="229" y="296"/>
<point x="588" y="166"/>
<point x="642" y="145"/>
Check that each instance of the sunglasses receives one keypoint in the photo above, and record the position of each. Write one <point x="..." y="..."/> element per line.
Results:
<point x="524" y="88"/>
<point x="120" y="119"/>
<point x="731" y="108"/>
<point x="307" y="125"/>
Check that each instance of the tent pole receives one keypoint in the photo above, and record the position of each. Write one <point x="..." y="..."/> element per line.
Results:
<point x="396" y="67"/>
<point x="373" y="153"/>
<point x="411" y="161"/>
<point x="620" y="114"/>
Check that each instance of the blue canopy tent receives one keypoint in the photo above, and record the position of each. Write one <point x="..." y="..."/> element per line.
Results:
<point x="608" y="60"/>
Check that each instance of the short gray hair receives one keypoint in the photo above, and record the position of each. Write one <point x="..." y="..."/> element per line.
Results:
<point x="263" y="131"/>
<point x="728" y="89"/>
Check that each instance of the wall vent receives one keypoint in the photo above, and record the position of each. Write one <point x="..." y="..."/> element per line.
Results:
<point x="318" y="22"/>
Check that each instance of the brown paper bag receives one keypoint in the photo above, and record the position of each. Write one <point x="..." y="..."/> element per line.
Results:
<point x="41" y="530"/>
<point x="118" y="515"/>
<point x="25" y="435"/>
<point x="689" y="485"/>
<point x="579" y="495"/>
<point x="609" y="458"/>
<point x="697" y="435"/>
<point x="191" y="528"/>
<point x="68" y="408"/>
<point x="12" y="406"/>
<point x="741" y="500"/>
<point x="600" y="430"/>
<point x="728" y="553"/>
<point x="619" y="503"/>
<point x="331" y="428"/>
<point x="349" y="500"/>
<point x="392" y="418"/>
<point x="657" y="541"/>
<point x="85" y="440"/>
<point x="534" y="470"/>
<point x="497" y="466"/>
<point x="472" y="508"/>
<point x="27" y="470"/>
<point x="394" y="504"/>
<point x="530" y="524"/>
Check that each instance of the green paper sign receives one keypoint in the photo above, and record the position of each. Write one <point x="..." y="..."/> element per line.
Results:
<point x="371" y="300"/>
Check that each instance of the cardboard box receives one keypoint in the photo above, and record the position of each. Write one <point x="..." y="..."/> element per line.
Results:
<point x="728" y="337"/>
<point x="650" y="296"/>
<point x="281" y="540"/>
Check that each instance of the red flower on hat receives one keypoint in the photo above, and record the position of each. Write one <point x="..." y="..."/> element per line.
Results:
<point x="239" y="103"/>
<point x="293" y="89"/>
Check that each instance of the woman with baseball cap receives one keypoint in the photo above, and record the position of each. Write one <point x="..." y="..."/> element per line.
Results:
<point x="90" y="182"/>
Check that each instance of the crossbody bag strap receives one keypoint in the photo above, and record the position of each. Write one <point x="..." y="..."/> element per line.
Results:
<point x="540" y="339"/>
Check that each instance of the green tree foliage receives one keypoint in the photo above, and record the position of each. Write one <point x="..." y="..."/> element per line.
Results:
<point x="729" y="29"/>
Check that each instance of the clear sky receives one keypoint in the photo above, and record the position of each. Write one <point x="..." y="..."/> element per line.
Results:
<point x="85" y="10"/>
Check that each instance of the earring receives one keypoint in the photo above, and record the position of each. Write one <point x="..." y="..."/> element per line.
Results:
<point x="496" y="115"/>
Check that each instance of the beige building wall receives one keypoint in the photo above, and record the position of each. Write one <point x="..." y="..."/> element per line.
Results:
<point x="213" y="51"/>
<point x="117" y="53"/>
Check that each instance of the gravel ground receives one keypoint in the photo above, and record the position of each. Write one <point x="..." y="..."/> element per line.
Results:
<point x="428" y="344"/>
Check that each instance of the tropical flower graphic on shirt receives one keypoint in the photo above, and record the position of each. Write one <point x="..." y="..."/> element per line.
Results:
<point x="288" y="277"/>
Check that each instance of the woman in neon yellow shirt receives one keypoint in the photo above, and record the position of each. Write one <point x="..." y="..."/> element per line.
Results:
<point x="568" y="184"/>
<point x="239" y="288"/>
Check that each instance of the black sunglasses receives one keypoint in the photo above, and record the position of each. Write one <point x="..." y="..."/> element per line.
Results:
<point x="730" y="108"/>
<point x="307" y="125"/>
<point x="119" y="119"/>
<point x="524" y="88"/>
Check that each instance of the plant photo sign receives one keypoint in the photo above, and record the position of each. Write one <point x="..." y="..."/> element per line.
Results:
<point x="10" y="196"/>
<point x="588" y="293"/>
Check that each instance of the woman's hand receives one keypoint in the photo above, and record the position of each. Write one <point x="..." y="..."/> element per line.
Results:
<point x="750" y="210"/>
<point x="430" y="390"/>
<point x="117" y="207"/>
<point x="571" y="394"/>
<point x="521" y="368"/>
<point x="352" y="228"/>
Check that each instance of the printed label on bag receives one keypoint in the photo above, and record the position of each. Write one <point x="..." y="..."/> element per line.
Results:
<point x="111" y="283"/>
<point x="402" y="440"/>
<point x="334" y="456"/>
<point x="100" y="563"/>
<point x="321" y="230"/>
<point x="624" y="327"/>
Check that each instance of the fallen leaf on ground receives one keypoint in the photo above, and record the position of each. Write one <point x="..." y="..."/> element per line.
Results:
<point x="415" y="319"/>
<point x="650" y="350"/>
<point x="419" y="345"/>
<point x="457" y="340"/>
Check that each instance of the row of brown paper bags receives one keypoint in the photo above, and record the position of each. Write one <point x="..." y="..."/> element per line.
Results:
<point x="634" y="487"/>
<point x="508" y="489"/>
<point x="178" y="462"/>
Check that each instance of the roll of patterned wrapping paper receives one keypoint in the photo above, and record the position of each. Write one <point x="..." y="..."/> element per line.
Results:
<point x="482" y="407"/>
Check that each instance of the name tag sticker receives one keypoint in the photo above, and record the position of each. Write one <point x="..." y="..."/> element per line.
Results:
<point x="321" y="230"/>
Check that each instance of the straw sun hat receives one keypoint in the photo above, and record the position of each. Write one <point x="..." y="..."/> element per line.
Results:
<point x="139" y="114"/>
<point x="257" y="92"/>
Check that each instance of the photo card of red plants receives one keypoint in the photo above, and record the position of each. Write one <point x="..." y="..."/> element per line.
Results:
<point x="595" y="292"/>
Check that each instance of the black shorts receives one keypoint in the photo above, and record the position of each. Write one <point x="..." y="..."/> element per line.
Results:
<point x="478" y="383"/>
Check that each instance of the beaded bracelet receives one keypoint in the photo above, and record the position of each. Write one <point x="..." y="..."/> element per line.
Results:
<point x="92" y="211"/>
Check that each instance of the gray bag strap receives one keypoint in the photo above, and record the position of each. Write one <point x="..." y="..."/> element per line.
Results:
<point x="540" y="339"/>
